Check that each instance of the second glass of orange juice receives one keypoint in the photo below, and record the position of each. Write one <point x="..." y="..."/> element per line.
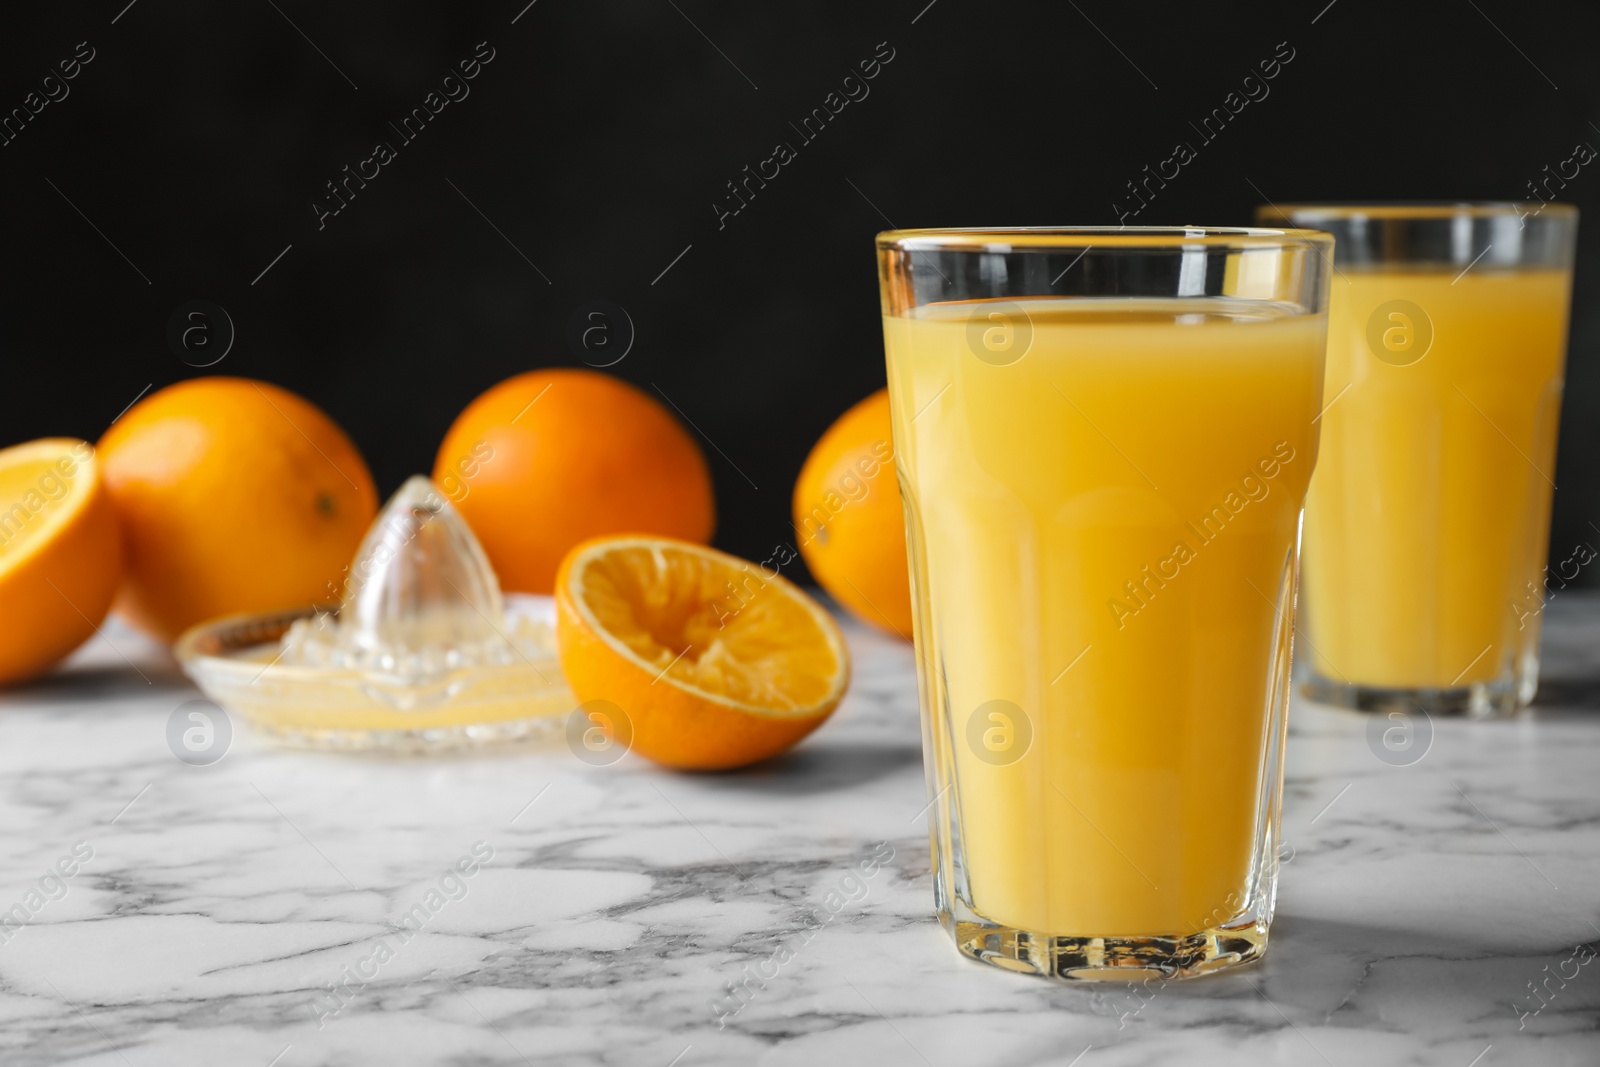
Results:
<point x="1428" y="521"/>
<point x="1103" y="440"/>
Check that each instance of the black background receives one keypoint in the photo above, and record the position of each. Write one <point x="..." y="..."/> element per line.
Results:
<point x="598" y="139"/>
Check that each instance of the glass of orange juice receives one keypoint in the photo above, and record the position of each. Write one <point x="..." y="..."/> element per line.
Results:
<point x="1427" y="524"/>
<point x="1103" y="438"/>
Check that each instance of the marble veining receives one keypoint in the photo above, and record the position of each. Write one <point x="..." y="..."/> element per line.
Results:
<point x="290" y="909"/>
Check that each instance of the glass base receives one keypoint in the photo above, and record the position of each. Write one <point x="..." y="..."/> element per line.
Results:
<point x="423" y="741"/>
<point x="1481" y="700"/>
<point x="236" y="662"/>
<point x="1110" y="959"/>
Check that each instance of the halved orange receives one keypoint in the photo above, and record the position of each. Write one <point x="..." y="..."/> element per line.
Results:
<point x="60" y="553"/>
<point x="716" y="662"/>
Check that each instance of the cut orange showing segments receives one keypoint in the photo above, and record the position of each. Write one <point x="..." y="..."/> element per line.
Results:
<point x="60" y="553"/>
<point x="715" y="661"/>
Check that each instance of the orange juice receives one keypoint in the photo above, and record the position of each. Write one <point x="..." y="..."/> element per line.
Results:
<point x="1104" y="535"/>
<point x="1426" y="525"/>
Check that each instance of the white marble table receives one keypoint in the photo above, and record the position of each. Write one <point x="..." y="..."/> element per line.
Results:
<point x="220" y="904"/>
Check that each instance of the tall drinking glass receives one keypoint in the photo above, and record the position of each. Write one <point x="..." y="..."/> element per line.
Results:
<point x="1427" y="525"/>
<point x="1103" y="438"/>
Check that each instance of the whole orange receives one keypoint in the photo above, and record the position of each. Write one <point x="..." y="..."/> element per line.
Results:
<point x="551" y="458"/>
<point x="59" y="553"/>
<point x="233" y="495"/>
<point x="848" y="515"/>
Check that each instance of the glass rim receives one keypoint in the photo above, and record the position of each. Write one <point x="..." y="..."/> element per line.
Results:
<point x="1420" y="210"/>
<point x="1003" y="239"/>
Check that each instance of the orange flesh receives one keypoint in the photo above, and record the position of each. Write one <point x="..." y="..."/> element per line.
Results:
<point x="730" y="632"/>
